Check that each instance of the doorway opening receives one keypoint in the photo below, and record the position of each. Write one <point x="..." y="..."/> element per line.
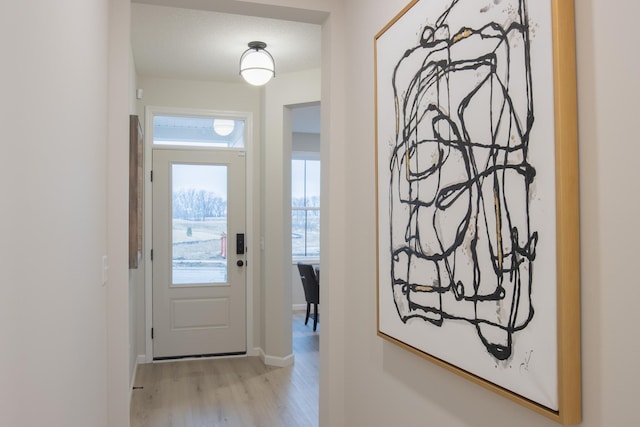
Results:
<point x="305" y="124"/>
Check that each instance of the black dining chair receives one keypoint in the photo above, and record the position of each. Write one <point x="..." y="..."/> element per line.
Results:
<point x="311" y="291"/>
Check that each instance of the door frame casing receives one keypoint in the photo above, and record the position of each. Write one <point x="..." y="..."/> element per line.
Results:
<point x="151" y="111"/>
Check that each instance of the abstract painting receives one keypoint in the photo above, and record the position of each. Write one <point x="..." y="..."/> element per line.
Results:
<point x="467" y="184"/>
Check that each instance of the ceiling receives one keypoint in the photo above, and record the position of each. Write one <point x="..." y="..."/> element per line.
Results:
<point x="204" y="45"/>
<point x="193" y="43"/>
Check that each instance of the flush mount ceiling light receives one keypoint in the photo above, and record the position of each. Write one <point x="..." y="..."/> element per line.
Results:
<point x="256" y="64"/>
<point x="223" y="127"/>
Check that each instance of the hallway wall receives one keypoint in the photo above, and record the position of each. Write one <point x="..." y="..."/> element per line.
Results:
<point x="386" y="385"/>
<point x="53" y="216"/>
<point x="281" y="93"/>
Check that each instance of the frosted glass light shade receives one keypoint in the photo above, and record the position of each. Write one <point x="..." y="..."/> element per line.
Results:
<point x="223" y="127"/>
<point x="257" y="66"/>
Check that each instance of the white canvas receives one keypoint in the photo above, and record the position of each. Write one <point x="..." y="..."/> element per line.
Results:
<point x="466" y="189"/>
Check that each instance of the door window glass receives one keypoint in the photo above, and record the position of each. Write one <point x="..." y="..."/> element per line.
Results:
<point x="199" y="224"/>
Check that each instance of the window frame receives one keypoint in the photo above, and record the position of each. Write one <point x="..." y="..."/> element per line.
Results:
<point x="305" y="156"/>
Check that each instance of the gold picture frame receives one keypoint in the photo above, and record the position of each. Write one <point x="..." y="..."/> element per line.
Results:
<point x="478" y="195"/>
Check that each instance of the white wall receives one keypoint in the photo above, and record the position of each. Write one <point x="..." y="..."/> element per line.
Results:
<point x="386" y="385"/>
<point x="306" y="145"/>
<point x="335" y="256"/>
<point x="53" y="216"/>
<point x="201" y="95"/>
<point x="280" y="94"/>
<point x="608" y="92"/>
<point x="117" y="159"/>
<point x="136" y="276"/>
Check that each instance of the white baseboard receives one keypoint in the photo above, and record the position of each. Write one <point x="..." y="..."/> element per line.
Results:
<point x="257" y="351"/>
<point x="280" y="362"/>
<point x="140" y="360"/>
<point x="132" y="380"/>
<point x="299" y="307"/>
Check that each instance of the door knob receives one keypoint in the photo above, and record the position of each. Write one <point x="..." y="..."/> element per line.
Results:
<point x="240" y="263"/>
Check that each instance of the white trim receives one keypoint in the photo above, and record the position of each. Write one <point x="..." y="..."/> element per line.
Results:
<point x="299" y="307"/>
<point x="187" y="359"/>
<point x="249" y="230"/>
<point x="148" y="228"/>
<point x="150" y="111"/>
<point x="306" y="260"/>
<point x="141" y="360"/>
<point x="304" y="155"/>
<point x="132" y="380"/>
<point x="280" y="362"/>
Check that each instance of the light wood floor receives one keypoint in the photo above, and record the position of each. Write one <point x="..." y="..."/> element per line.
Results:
<point x="239" y="392"/>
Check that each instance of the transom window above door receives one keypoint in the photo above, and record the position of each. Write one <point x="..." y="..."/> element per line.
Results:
<point x="218" y="132"/>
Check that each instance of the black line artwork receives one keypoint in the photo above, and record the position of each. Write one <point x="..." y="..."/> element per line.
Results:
<point x="462" y="243"/>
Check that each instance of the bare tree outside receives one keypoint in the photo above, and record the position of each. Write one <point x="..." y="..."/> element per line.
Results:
<point x="199" y="208"/>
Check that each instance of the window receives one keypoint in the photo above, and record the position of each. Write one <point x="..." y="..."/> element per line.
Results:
<point x="219" y="132"/>
<point x="305" y="208"/>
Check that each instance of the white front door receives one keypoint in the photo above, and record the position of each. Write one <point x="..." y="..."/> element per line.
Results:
<point x="199" y="284"/>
